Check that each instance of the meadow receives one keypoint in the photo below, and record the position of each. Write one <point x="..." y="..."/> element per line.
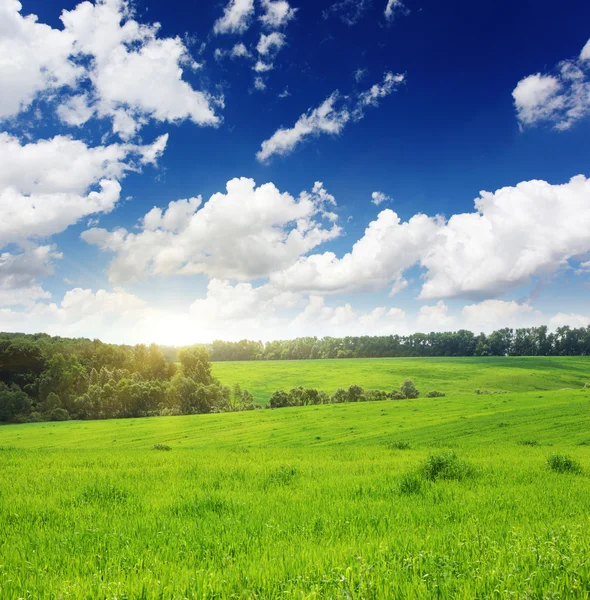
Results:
<point x="449" y="375"/>
<point x="429" y="498"/>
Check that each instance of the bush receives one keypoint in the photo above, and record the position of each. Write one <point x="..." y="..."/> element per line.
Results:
<point x="397" y="395"/>
<point x="408" y="389"/>
<point x="445" y="466"/>
<point x="59" y="414"/>
<point x="279" y="399"/>
<point x="399" y="445"/>
<point x="410" y="484"/>
<point x="162" y="447"/>
<point x="435" y="394"/>
<point x="587" y="386"/>
<point x="560" y="463"/>
<point x="529" y="443"/>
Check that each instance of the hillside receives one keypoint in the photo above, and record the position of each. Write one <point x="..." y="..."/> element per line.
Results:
<point x="314" y="502"/>
<point x="450" y="375"/>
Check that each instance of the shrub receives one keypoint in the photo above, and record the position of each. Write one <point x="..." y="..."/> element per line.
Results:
<point x="408" y="389"/>
<point x="587" y="386"/>
<point x="59" y="414"/>
<point x="410" y="484"/>
<point x="162" y="447"/>
<point x="445" y="466"/>
<point x="397" y="395"/>
<point x="529" y="443"/>
<point x="399" y="445"/>
<point x="560" y="463"/>
<point x="279" y="399"/>
<point x="435" y="394"/>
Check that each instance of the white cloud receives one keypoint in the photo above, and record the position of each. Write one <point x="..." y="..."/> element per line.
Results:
<point x="271" y="43"/>
<point x="569" y="319"/>
<point x="490" y="315"/>
<point x="20" y="274"/>
<point x="436" y="317"/>
<point x="516" y="233"/>
<point x="35" y="59"/>
<point x="394" y="7"/>
<point x="262" y="67"/>
<point x="244" y="234"/>
<point x="240" y="51"/>
<point x="326" y="119"/>
<point x="237" y="17"/>
<point x="49" y="185"/>
<point x="359" y="74"/>
<point x="276" y="13"/>
<point x="116" y="68"/>
<point x="378" y="259"/>
<point x="259" y="84"/>
<point x="519" y="232"/>
<point x="560" y="99"/>
<point x="379" y="198"/>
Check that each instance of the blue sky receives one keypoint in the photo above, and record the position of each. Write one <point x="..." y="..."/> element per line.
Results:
<point x="424" y="107"/>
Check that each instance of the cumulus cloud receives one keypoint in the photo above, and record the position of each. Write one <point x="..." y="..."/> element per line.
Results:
<point x="490" y="315"/>
<point x="560" y="98"/>
<point x="243" y="234"/>
<point x="379" y="198"/>
<point x="569" y="319"/>
<point x="329" y="118"/>
<point x="48" y="185"/>
<point x="240" y="51"/>
<point x="20" y="274"/>
<point x="277" y="13"/>
<point x="104" y="62"/>
<point x="237" y="17"/>
<point x="37" y="59"/>
<point x="514" y="234"/>
<point x="435" y="318"/>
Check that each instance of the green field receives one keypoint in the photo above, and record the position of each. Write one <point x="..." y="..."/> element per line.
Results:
<point x="450" y="375"/>
<point x="313" y="502"/>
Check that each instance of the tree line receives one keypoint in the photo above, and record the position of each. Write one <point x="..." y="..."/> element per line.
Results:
<point x="531" y="341"/>
<point x="53" y="378"/>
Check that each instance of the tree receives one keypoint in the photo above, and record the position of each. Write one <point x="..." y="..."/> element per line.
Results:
<point x="408" y="389"/>
<point x="14" y="403"/>
<point x="194" y="363"/>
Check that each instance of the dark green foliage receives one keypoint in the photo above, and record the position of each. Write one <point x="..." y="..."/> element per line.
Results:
<point x="58" y="414"/>
<point x="162" y="447"/>
<point x="533" y="341"/>
<point x="435" y="394"/>
<point x="410" y="484"/>
<point x="529" y="443"/>
<point x="445" y="466"/>
<point x="561" y="463"/>
<point x="408" y="389"/>
<point x="14" y="403"/>
<point x="82" y="379"/>
<point x="398" y="445"/>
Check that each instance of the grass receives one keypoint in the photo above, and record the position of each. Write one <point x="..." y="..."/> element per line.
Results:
<point x="448" y="375"/>
<point x="427" y="498"/>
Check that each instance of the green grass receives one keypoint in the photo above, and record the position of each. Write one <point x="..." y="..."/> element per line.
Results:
<point x="431" y="498"/>
<point x="450" y="375"/>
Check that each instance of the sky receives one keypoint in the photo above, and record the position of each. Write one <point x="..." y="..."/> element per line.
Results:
<point x="183" y="171"/>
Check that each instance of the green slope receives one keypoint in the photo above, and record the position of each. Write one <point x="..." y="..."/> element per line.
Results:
<point x="455" y="375"/>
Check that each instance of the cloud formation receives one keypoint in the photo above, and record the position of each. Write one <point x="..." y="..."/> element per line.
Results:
<point x="560" y="98"/>
<point x="48" y="185"/>
<point x="329" y="118"/>
<point x="244" y="234"/>
<point x="102" y="64"/>
<point x="514" y="234"/>
<point x="237" y="17"/>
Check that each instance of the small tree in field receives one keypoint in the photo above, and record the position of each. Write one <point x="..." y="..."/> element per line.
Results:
<point x="408" y="389"/>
